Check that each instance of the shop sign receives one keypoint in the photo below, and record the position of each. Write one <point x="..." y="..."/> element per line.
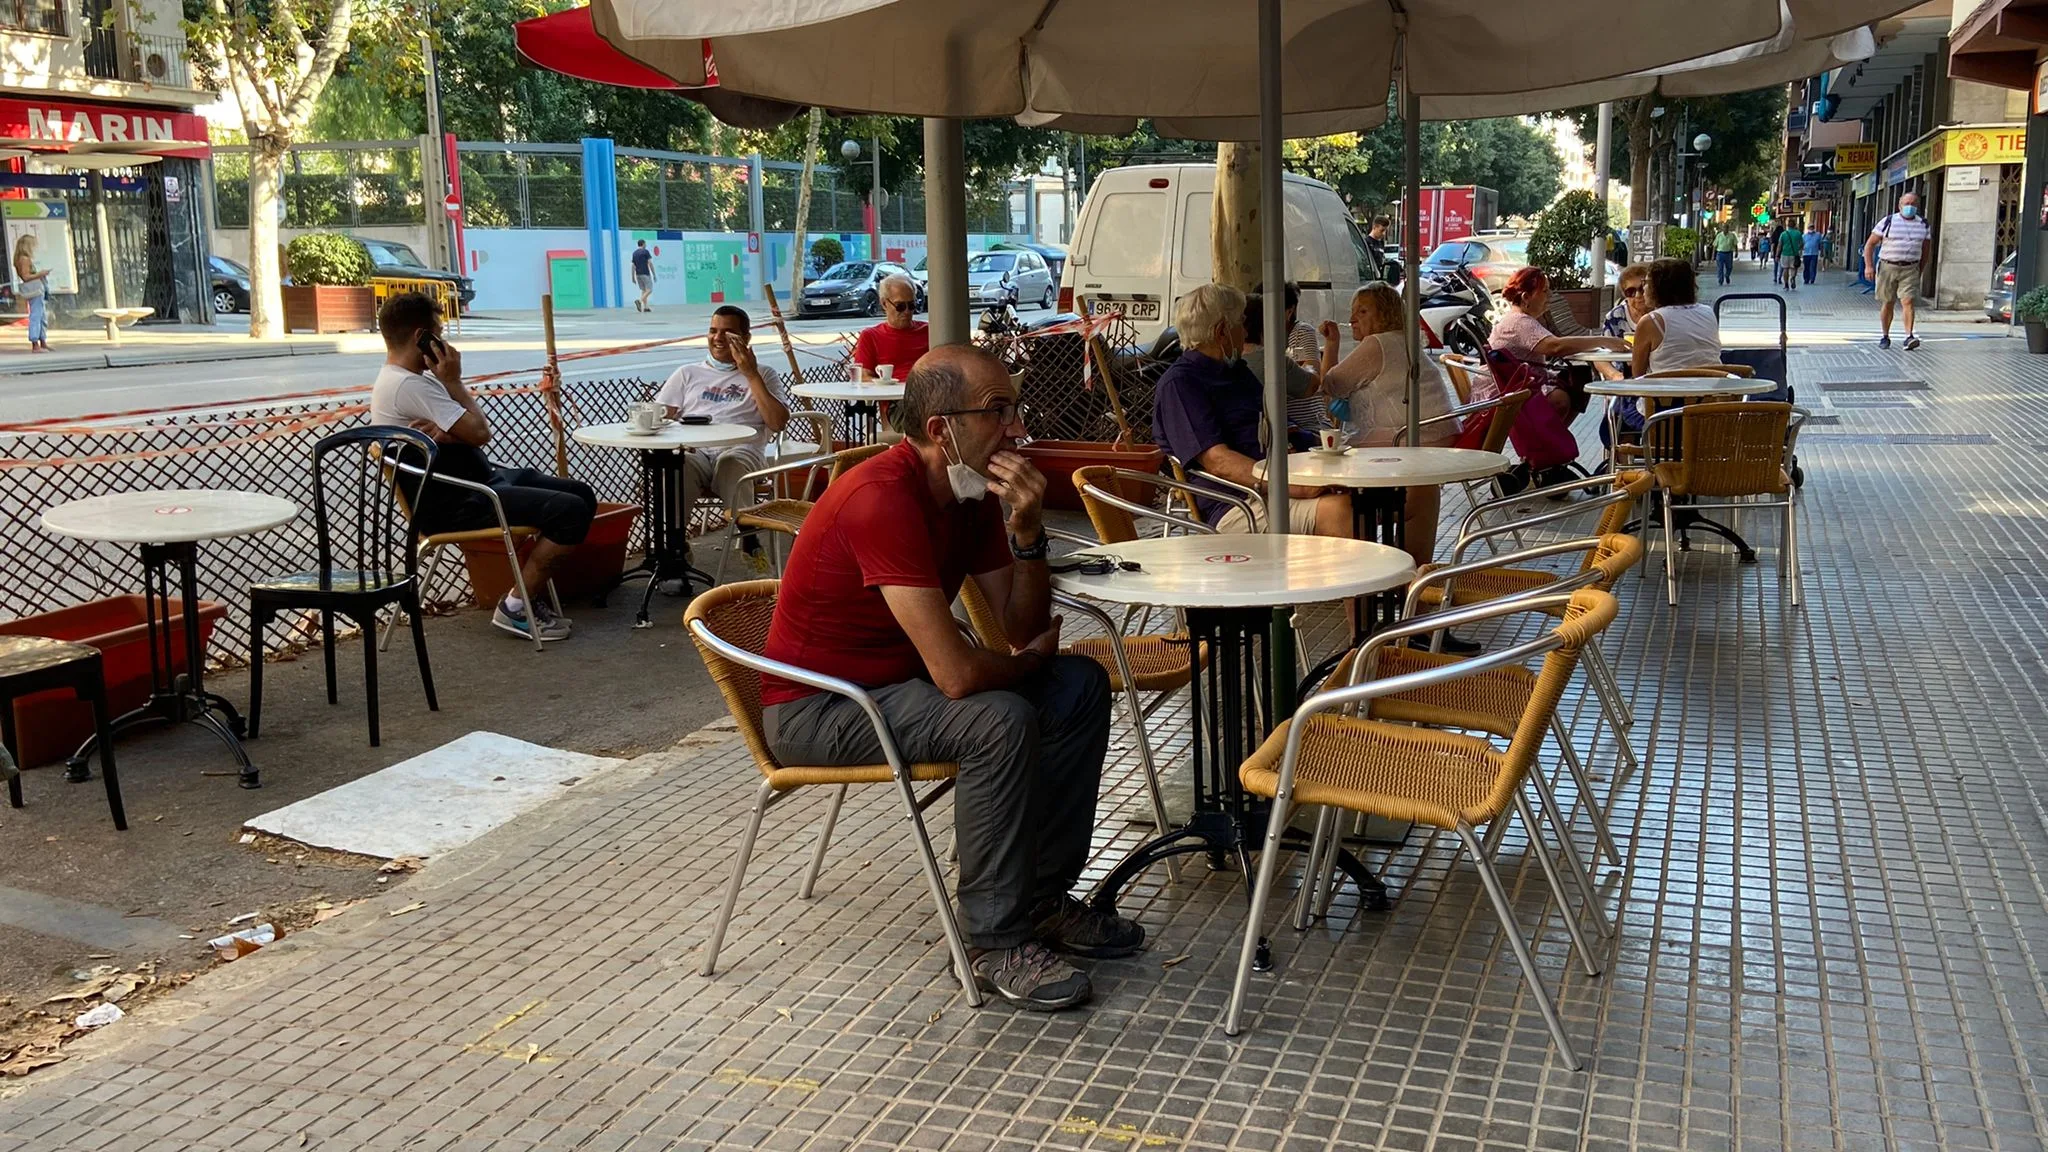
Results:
<point x="1925" y="156"/>
<point x="2040" y="87"/>
<point x="1964" y="178"/>
<point x="1895" y="170"/>
<point x="1986" y="146"/>
<point x="1853" y="158"/>
<point x="78" y="122"/>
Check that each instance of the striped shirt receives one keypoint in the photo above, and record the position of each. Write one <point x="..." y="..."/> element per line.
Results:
<point x="1903" y="238"/>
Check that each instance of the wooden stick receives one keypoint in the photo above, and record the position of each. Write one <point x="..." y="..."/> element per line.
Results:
<point x="1100" y="352"/>
<point x="553" y="393"/>
<point x="796" y="374"/>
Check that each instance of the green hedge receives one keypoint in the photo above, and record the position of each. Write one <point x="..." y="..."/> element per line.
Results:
<point x="328" y="258"/>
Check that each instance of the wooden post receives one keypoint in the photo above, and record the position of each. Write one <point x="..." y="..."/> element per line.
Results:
<point x="551" y="387"/>
<point x="796" y="374"/>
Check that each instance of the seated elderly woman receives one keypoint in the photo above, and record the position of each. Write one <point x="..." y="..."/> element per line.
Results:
<point x="1678" y="331"/>
<point x="1369" y="390"/>
<point x="1206" y="411"/>
<point x="1520" y="333"/>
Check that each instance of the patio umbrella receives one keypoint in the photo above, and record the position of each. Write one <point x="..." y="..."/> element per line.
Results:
<point x="565" y="42"/>
<point x="1187" y="66"/>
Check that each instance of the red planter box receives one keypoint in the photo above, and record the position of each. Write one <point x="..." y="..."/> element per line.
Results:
<point x="1059" y="459"/>
<point x="329" y="308"/>
<point x="586" y="573"/>
<point x="51" y="725"/>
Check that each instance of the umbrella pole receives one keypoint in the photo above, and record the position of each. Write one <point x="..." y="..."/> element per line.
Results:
<point x="1273" y="265"/>
<point x="1411" y="226"/>
<point x="945" y="206"/>
<point x="1602" y="152"/>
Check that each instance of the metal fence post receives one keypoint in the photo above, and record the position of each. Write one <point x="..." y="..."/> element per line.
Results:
<point x="757" y="219"/>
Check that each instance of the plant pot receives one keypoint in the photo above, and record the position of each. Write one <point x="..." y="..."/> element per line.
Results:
<point x="2037" y="336"/>
<point x="589" y="571"/>
<point x="1585" y="305"/>
<point x="329" y="308"/>
<point x="50" y="726"/>
<point x="1059" y="459"/>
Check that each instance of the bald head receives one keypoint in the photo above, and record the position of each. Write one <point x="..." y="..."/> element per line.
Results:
<point x="951" y="378"/>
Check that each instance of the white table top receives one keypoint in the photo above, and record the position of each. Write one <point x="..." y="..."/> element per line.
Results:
<point x="1389" y="467"/>
<point x="674" y="434"/>
<point x="1242" y="570"/>
<point x="1601" y="356"/>
<point x="177" y="516"/>
<point x="1681" y="387"/>
<point x="849" y="390"/>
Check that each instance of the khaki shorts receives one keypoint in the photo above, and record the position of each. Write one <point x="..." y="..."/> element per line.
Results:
<point x="1897" y="282"/>
<point x="1301" y="518"/>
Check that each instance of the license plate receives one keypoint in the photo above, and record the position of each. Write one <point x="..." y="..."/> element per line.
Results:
<point x="1133" y="309"/>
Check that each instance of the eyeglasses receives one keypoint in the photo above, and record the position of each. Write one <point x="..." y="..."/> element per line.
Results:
<point x="902" y="305"/>
<point x="1005" y="413"/>
<point x="1631" y="293"/>
<point x="1094" y="565"/>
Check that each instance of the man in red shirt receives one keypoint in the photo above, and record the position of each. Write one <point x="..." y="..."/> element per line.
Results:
<point x="868" y="597"/>
<point x="900" y="339"/>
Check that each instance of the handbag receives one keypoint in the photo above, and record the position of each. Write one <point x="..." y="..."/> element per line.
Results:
<point x="1541" y="436"/>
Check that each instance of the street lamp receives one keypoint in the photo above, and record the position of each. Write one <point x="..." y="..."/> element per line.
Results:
<point x="850" y="149"/>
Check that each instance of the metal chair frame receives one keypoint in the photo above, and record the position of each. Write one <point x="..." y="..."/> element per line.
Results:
<point x="432" y="548"/>
<point x="778" y="554"/>
<point x="821" y="428"/>
<point x="1655" y="447"/>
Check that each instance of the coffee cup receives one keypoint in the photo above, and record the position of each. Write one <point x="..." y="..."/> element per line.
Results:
<point x="1332" y="439"/>
<point x="885" y="372"/>
<point x="648" y="417"/>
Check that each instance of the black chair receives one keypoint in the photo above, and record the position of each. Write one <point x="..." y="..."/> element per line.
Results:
<point x="31" y="664"/>
<point x="379" y="570"/>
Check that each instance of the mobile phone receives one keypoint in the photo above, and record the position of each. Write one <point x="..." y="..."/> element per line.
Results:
<point x="429" y="344"/>
<point x="696" y="420"/>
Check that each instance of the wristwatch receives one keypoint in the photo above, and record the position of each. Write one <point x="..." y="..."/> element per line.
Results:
<point x="1035" y="552"/>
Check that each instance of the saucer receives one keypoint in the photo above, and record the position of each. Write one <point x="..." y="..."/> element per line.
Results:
<point x="633" y="431"/>
<point x="1319" y="450"/>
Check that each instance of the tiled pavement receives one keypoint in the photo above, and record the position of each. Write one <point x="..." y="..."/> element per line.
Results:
<point x="1829" y="924"/>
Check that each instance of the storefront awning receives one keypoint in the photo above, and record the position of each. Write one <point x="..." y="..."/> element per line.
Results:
<point x="1999" y="43"/>
<point x="1902" y="45"/>
<point x="68" y="126"/>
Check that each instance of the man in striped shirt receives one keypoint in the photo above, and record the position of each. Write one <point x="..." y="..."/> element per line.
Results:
<point x="1896" y="248"/>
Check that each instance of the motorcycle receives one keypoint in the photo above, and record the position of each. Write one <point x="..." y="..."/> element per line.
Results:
<point x="1455" y="311"/>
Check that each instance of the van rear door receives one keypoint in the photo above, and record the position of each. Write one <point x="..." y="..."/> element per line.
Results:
<point x="1126" y="250"/>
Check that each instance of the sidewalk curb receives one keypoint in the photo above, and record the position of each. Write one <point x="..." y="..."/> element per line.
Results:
<point x="197" y="354"/>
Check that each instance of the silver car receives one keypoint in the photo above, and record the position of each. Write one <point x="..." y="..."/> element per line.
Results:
<point x="1998" y="301"/>
<point x="1011" y="274"/>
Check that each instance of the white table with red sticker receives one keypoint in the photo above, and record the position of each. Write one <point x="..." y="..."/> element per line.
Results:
<point x="168" y="527"/>
<point x="1230" y="586"/>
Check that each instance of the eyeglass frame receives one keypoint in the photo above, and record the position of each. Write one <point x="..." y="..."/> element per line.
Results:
<point x="909" y="305"/>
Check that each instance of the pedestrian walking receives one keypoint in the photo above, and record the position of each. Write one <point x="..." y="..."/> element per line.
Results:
<point x="1809" y="251"/>
<point x="643" y="276"/>
<point x="1897" y="246"/>
<point x="1724" y="255"/>
<point x="1790" y="245"/>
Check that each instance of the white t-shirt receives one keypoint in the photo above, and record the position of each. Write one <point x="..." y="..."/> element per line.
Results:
<point x="410" y="400"/>
<point x="1692" y="338"/>
<point x="716" y="390"/>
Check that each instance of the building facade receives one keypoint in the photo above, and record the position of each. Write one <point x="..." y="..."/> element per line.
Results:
<point x="104" y="154"/>
<point x="1868" y="133"/>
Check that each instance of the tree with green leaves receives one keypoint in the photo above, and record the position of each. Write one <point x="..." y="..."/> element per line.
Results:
<point x="275" y="57"/>
<point x="1748" y="130"/>
<point x="1509" y="155"/>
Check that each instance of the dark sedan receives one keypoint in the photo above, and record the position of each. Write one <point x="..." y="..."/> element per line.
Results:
<point x="849" y="286"/>
<point x="230" y="284"/>
<point x="394" y="259"/>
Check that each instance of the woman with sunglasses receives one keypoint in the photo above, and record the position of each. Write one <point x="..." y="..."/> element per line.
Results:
<point x="1633" y="290"/>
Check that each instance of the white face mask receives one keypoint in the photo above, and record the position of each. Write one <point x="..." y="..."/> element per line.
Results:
<point x="967" y="484"/>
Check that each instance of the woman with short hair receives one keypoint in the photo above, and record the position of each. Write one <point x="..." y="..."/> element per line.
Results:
<point x="1678" y="331"/>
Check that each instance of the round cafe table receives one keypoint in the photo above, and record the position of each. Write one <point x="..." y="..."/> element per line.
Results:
<point x="1601" y="356"/>
<point x="168" y="526"/>
<point x="1228" y="586"/>
<point x="664" y="506"/>
<point x="860" y="398"/>
<point x="1665" y="392"/>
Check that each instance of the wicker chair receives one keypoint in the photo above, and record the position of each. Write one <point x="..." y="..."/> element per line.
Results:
<point x="729" y="624"/>
<point x="1737" y="455"/>
<point x="1456" y="782"/>
<point x="1630" y="453"/>
<point x="782" y="515"/>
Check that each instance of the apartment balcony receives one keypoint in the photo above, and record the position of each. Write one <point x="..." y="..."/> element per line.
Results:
<point x="136" y="57"/>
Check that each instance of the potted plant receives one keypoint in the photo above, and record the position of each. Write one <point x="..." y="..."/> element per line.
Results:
<point x="330" y="289"/>
<point x="1562" y="247"/>
<point x="2032" y="310"/>
<point x="1683" y="244"/>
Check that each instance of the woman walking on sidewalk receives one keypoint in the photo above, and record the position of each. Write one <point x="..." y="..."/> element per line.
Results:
<point x="32" y="286"/>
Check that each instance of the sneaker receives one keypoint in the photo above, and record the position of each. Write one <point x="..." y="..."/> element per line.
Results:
<point x="520" y="625"/>
<point x="1912" y="342"/>
<point x="1884" y="341"/>
<point x="1030" y="977"/>
<point x="759" y="562"/>
<point x="544" y="612"/>
<point x="1067" y="925"/>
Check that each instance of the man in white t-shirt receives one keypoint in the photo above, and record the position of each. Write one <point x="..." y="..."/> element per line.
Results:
<point x="420" y="386"/>
<point x="729" y="388"/>
<point x="1896" y="248"/>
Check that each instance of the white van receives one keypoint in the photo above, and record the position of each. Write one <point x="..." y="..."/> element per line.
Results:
<point x="1143" y="240"/>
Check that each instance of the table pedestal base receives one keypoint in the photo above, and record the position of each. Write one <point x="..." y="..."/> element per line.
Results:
<point x="666" y="508"/>
<point x="175" y="699"/>
<point x="1232" y="712"/>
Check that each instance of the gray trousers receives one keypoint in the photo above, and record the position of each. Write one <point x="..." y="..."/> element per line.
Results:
<point x="1030" y="768"/>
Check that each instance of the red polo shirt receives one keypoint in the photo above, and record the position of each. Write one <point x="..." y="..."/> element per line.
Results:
<point x="875" y="526"/>
<point x="899" y="346"/>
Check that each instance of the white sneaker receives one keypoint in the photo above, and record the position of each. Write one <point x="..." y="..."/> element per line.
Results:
<point x="522" y="624"/>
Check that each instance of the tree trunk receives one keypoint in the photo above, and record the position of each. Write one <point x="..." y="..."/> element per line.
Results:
<point x="1639" y="135"/>
<point x="266" y="182"/>
<point x="803" y="207"/>
<point x="1234" y="229"/>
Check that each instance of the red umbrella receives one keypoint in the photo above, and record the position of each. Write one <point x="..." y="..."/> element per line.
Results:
<point x="565" y="42"/>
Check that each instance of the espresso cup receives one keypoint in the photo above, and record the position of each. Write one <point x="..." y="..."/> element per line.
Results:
<point x="647" y="417"/>
<point x="885" y="372"/>
<point x="1332" y="439"/>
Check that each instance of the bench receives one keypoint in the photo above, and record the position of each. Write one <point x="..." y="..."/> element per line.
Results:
<point x="117" y="318"/>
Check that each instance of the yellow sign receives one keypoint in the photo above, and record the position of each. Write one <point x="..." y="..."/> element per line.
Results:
<point x="1925" y="156"/>
<point x="1853" y="158"/>
<point x="1995" y="145"/>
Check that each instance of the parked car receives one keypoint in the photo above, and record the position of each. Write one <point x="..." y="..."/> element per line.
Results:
<point x="1495" y="257"/>
<point x="230" y="285"/>
<point x="848" y="286"/>
<point x="1016" y="274"/>
<point x="394" y="259"/>
<point x="1055" y="257"/>
<point x="1998" y="301"/>
<point x="1142" y="240"/>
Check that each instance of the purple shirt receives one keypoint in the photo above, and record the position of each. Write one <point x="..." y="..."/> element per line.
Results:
<point x="1201" y="402"/>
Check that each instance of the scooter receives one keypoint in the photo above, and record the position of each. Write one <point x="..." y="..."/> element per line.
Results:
<point x="1455" y="311"/>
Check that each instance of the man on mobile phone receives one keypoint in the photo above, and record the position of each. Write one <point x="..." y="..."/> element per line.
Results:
<point x="420" y="386"/>
<point x="729" y="388"/>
